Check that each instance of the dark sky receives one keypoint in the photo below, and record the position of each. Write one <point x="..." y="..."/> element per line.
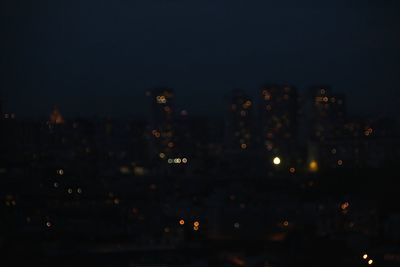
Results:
<point x="98" y="57"/>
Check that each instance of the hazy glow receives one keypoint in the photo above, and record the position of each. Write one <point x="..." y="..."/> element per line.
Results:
<point x="313" y="166"/>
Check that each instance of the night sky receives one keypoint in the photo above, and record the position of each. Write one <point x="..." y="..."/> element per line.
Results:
<point x="98" y="57"/>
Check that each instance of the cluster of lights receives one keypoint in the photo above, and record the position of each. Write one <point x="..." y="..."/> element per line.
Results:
<point x="369" y="260"/>
<point x="9" y="116"/>
<point x="70" y="191"/>
<point x="10" y="201"/>
<point x="156" y="133"/>
<point x="368" y="131"/>
<point x="161" y="99"/>
<point x="177" y="160"/>
<point x="345" y="207"/>
<point x="196" y="224"/>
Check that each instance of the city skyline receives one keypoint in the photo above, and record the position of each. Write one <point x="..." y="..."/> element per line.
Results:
<point x="86" y="57"/>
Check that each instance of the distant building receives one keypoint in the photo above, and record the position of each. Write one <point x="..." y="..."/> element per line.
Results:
<point x="239" y="125"/>
<point x="162" y="128"/>
<point x="327" y="114"/>
<point x="278" y="119"/>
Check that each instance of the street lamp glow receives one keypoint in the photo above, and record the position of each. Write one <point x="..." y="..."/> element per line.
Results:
<point x="277" y="161"/>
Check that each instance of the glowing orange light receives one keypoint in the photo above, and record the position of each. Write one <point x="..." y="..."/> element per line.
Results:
<point x="182" y="222"/>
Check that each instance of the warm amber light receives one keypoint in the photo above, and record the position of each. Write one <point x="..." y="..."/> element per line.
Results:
<point x="365" y="256"/>
<point x="243" y="146"/>
<point x="195" y="228"/>
<point x="313" y="166"/>
<point x="370" y="262"/>
<point x="182" y="222"/>
<point x="286" y="223"/>
<point x="344" y="205"/>
<point x="196" y="224"/>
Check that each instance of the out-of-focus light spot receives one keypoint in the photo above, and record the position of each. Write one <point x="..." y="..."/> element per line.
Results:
<point x="79" y="190"/>
<point x="161" y="155"/>
<point x="365" y="256"/>
<point x="116" y="201"/>
<point x="276" y="161"/>
<point x="69" y="190"/>
<point x="125" y="170"/>
<point x="236" y="225"/>
<point x="286" y="223"/>
<point x="196" y="224"/>
<point x="170" y="161"/>
<point x="60" y="172"/>
<point x="344" y="205"/>
<point x="340" y="162"/>
<point x="370" y="262"/>
<point x="167" y="230"/>
<point x="139" y="171"/>
<point x="48" y="224"/>
<point x="292" y="170"/>
<point x="161" y="99"/>
<point x="313" y="166"/>
<point x="181" y="222"/>
<point x="196" y="228"/>
<point x="170" y="144"/>
<point x="184" y="160"/>
<point x="333" y="151"/>
<point x="322" y="91"/>
<point x="243" y="146"/>
<point x="55" y="185"/>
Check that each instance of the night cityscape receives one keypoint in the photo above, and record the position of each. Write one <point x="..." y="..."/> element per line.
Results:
<point x="240" y="169"/>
